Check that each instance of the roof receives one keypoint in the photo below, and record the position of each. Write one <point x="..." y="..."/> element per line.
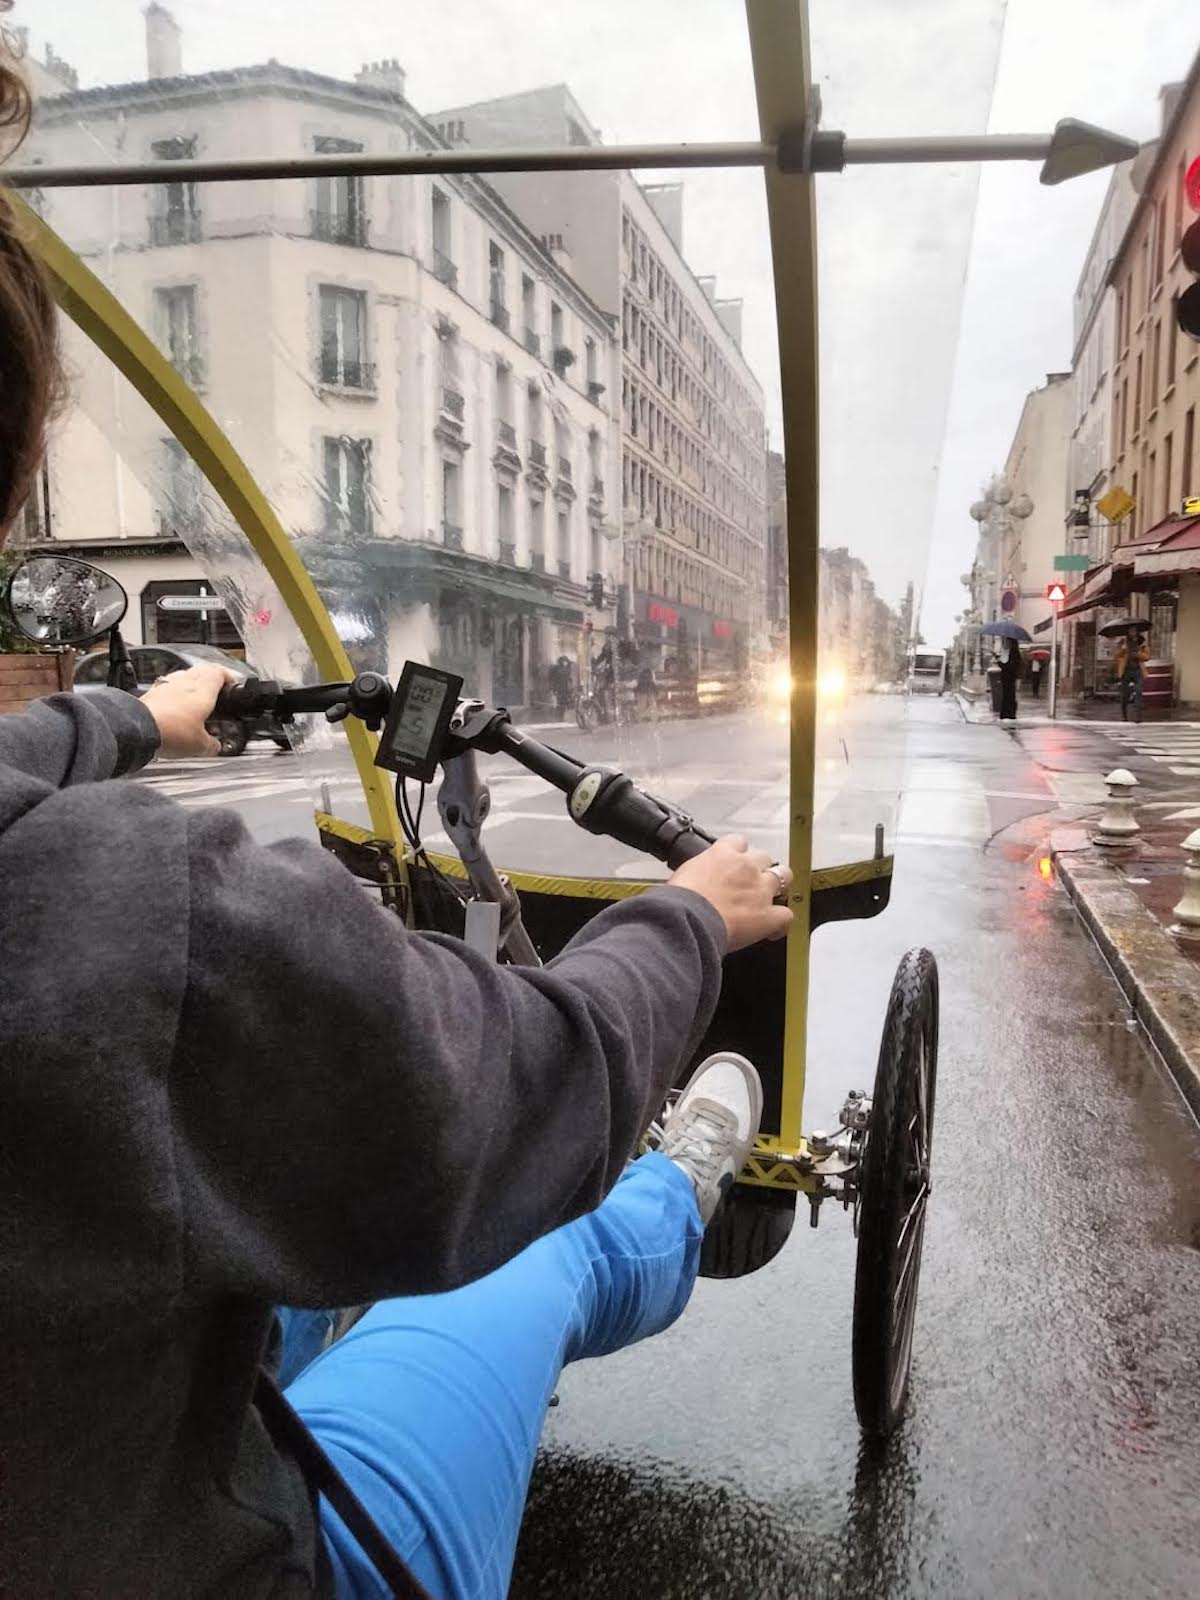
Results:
<point x="273" y="75"/>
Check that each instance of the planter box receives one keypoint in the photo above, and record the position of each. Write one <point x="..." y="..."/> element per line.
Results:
<point x="24" y="678"/>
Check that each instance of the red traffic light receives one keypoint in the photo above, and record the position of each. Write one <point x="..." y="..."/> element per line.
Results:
<point x="1056" y="592"/>
<point x="1191" y="184"/>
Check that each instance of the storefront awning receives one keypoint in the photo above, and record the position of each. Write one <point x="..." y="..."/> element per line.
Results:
<point x="1177" y="551"/>
<point x="1095" y="590"/>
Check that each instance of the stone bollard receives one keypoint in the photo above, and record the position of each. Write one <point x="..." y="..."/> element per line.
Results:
<point x="1117" y="824"/>
<point x="1187" y="912"/>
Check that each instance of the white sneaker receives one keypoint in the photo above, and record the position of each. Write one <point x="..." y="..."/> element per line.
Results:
<point x="713" y="1126"/>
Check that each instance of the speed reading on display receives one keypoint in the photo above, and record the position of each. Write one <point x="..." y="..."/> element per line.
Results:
<point x="420" y="712"/>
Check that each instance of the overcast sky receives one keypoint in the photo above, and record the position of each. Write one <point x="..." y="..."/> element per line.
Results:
<point x="938" y="313"/>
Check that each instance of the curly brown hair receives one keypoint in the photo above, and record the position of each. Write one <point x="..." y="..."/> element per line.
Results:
<point x="31" y="373"/>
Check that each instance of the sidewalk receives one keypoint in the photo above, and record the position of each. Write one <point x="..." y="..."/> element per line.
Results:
<point x="1033" y="713"/>
<point x="1126" y="896"/>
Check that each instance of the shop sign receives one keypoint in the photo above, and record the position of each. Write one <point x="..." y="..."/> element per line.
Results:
<point x="722" y="630"/>
<point x="656" y="612"/>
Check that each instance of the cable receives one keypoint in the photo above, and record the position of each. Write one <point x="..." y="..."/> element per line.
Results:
<point x="411" y="827"/>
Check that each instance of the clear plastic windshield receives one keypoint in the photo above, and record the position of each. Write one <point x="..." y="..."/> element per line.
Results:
<point x="527" y="427"/>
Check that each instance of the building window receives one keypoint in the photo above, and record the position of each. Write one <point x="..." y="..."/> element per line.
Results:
<point x="1168" y="452"/>
<point x="440" y="237"/>
<point x="1186" y="463"/>
<point x="497" y="288"/>
<point x="175" y="316"/>
<point x="177" y="217"/>
<point x="1137" y="398"/>
<point x="344" y="338"/>
<point x="1172" y="340"/>
<point x="505" y="527"/>
<point x="347" y="485"/>
<point x="1155" y="355"/>
<point x="1135" y="516"/>
<point x="452" y="532"/>
<point x="340" y="215"/>
<point x="537" y="535"/>
<point x="533" y="342"/>
<point x="564" y="545"/>
<point x="504" y="404"/>
<point x="556" y="326"/>
<point x="1151" y="473"/>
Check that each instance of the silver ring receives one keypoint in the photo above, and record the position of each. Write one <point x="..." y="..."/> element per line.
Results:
<point x="779" y="879"/>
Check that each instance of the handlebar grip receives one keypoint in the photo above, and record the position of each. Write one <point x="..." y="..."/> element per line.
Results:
<point x="251" y="698"/>
<point x="687" y="846"/>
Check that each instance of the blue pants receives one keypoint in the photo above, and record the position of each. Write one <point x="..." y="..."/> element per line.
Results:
<point x="431" y="1407"/>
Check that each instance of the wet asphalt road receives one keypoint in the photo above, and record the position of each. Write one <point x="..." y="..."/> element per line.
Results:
<point x="1053" y="1442"/>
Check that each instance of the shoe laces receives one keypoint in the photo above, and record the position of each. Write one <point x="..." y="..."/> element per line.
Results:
<point x="700" y="1139"/>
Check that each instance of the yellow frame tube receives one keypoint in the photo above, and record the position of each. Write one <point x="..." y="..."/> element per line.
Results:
<point x="779" y="48"/>
<point x="99" y="315"/>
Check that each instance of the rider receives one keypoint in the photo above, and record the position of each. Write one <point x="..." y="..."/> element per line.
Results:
<point x="259" y="1090"/>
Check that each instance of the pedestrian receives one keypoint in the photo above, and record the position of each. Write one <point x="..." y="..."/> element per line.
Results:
<point x="227" y="1082"/>
<point x="1010" y="671"/>
<point x="561" y="686"/>
<point x="647" y="698"/>
<point x="1035" y="677"/>
<point x="1132" y="655"/>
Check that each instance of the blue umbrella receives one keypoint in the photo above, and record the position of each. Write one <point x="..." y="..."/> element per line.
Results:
<point x="1005" y="630"/>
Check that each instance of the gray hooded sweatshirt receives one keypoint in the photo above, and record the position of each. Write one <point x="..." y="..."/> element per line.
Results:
<point x="230" y="1082"/>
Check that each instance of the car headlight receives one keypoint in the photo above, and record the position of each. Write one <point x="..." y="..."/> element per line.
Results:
<point x="831" y="684"/>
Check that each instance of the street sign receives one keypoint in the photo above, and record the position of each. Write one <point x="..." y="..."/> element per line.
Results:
<point x="1071" y="563"/>
<point x="1116" y="504"/>
<point x="190" y="602"/>
<point x="1056" y="592"/>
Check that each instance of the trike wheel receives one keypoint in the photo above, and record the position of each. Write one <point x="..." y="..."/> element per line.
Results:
<point x="893" y="1193"/>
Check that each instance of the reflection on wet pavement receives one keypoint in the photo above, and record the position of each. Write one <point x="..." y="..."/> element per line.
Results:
<point x="1051" y="1447"/>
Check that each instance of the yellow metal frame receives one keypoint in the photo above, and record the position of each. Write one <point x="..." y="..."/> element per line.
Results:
<point x="782" y="77"/>
<point x="100" y="315"/>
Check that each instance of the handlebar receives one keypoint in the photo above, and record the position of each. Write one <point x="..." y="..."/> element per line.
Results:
<point x="600" y="799"/>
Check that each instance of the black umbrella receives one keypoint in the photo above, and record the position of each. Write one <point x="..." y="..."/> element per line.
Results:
<point x="1005" y="630"/>
<point x="1110" y="630"/>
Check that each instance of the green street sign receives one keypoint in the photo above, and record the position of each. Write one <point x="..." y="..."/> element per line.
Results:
<point x="1071" y="563"/>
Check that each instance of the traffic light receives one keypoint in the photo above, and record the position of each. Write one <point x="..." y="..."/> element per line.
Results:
<point x="1056" y="592"/>
<point x="1187" y="307"/>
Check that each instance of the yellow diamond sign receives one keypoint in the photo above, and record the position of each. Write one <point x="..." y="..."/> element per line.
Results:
<point x="1116" y="504"/>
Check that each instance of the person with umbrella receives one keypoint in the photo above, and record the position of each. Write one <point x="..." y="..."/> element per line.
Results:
<point x="1010" y="636"/>
<point x="1037" y="664"/>
<point x="1132" y="654"/>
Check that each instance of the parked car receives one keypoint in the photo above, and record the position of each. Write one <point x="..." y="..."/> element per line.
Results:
<point x="155" y="661"/>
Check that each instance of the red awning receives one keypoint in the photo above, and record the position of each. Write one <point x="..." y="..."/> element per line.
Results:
<point x="1177" y="550"/>
<point x="1166" y="550"/>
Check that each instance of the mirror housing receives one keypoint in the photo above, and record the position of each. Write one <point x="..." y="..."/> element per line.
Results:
<point x="56" y="600"/>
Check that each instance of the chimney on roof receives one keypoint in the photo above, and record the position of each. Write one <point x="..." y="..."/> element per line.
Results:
<point x="387" y="75"/>
<point x="164" y="43"/>
<point x="561" y="256"/>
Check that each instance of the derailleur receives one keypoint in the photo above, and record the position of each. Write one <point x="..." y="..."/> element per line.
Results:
<point x="836" y="1158"/>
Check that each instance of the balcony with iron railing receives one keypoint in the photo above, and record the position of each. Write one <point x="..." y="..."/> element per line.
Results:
<point x="340" y="373"/>
<point x="452" y="536"/>
<point x="444" y="269"/>
<point x="176" y="227"/>
<point x="337" y="227"/>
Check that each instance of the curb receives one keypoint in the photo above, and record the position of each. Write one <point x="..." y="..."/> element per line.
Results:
<point x="1161" y="986"/>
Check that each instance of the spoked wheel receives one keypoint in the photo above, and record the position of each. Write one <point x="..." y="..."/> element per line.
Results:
<point x="893" y="1192"/>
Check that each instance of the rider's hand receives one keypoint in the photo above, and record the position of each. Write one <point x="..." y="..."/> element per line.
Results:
<point x="181" y="703"/>
<point x="742" y="884"/>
